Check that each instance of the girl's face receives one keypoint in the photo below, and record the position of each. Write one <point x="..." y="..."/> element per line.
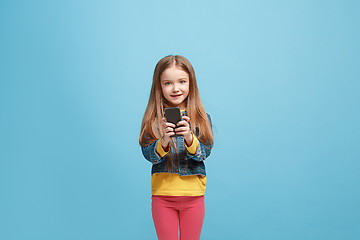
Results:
<point x="175" y="86"/>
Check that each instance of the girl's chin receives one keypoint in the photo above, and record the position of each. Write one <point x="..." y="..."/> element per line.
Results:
<point x="176" y="102"/>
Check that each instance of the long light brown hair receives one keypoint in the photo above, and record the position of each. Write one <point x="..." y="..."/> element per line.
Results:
<point x="151" y="124"/>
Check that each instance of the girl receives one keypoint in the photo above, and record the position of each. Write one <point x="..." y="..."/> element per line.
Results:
<point x="178" y="172"/>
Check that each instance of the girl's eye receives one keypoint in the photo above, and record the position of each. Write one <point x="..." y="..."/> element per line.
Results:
<point x="182" y="81"/>
<point x="167" y="83"/>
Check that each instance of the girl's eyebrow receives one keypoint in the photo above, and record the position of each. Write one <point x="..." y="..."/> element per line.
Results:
<point x="172" y="80"/>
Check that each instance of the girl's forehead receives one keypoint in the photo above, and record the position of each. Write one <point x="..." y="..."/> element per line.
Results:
<point x="173" y="73"/>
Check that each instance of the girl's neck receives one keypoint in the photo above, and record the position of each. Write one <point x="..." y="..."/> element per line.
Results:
<point x="182" y="107"/>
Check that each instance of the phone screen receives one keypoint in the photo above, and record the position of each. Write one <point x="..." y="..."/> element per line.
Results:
<point x="173" y="115"/>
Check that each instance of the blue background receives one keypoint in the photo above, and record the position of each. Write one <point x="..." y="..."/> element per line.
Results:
<point x="279" y="78"/>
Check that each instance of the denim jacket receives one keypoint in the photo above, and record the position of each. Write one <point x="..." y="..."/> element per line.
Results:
<point x="189" y="164"/>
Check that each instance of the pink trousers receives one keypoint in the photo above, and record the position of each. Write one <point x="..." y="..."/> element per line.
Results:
<point x="171" y="213"/>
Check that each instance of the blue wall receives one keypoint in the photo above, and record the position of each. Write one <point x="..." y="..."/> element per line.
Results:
<point x="279" y="78"/>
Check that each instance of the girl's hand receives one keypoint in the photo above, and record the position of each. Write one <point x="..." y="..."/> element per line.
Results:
<point x="184" y="129"/>
<point x="168" y="130"/>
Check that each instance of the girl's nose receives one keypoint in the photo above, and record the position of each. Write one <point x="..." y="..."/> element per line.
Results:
<point x="176" y="88"/>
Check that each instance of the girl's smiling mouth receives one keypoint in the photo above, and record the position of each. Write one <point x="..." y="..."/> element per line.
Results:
<point x="175" y="96"/>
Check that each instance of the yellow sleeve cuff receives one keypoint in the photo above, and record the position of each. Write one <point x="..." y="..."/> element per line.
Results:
<point x="193" y="147"/>
<point x="160" y="149"/>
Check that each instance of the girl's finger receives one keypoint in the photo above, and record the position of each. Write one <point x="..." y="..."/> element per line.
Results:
<point x="170" y="133"/>
<point x="170" y="125"/>
<point x="183" y="123"/>
<point x="186" y="118"/>
<point x="181" y="129"/>
<point x="169" y="129"/>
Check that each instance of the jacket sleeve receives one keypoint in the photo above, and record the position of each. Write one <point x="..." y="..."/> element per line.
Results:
<point x="151" y="154"/>
<point x="202" y="152"/>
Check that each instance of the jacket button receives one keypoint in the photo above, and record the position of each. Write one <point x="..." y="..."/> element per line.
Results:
<point x="155" y="161"/>
<point x="183" y="172"/>
<point x="203" y="158"/>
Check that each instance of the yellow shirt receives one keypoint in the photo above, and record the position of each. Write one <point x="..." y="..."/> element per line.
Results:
<point x="172" y="184"/>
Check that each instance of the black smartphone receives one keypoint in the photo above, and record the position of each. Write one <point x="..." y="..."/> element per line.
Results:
<point x="173" y="115"/>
